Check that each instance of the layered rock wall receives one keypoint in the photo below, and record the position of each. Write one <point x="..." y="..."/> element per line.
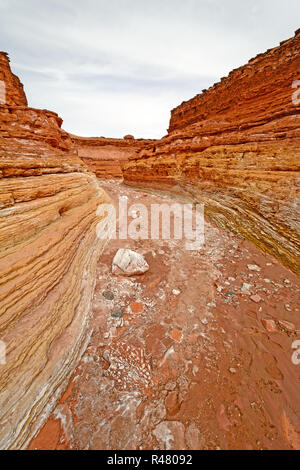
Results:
<point x="48" y="255"/>
<point x="106" y="157"/>
<point x="236" y="148"/>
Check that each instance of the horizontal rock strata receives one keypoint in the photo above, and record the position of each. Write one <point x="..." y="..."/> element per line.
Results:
<point x="236" y="147"/>
<point x="48" y="255"/>
<point x="106" y="157"/>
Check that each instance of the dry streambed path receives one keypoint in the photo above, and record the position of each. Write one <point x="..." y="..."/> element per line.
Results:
<point x="194" y="354"/>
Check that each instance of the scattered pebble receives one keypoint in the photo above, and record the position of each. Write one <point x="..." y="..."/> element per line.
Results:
<point x="256" y="298"/>
<point x="254" y="267"/>
<point x="176" y="335"/>
<point x="176" y="292"/>
<point x="108" y="295"/>
<point x="269" y="324"/>
<point x="136" y="307"/>
<point x="287" y="325"/>
<point x="246" y="286"/>
<point x="118" y="313"/>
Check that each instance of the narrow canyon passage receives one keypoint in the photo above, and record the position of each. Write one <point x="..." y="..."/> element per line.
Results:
<point x="194" y="354"/>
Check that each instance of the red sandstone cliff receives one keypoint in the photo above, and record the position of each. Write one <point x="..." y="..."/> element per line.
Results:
<point x="106" y="157"/>
<point x="236" y="147"/>
<point x="15" y="95"/>
<point x="48" y="255"/>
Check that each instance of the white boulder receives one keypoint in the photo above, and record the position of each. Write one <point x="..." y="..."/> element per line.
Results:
<point x="129" y="263"/>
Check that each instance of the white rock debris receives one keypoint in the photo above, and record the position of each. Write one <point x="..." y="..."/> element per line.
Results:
<point x="254" y="267"/>
<point x="129" y="262"/>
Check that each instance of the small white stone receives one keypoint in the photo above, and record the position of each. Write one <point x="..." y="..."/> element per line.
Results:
<point x="129" y="262"/>
<point x="246" y="286"/>
<point x="175" y="291"/>
<point x="254" y="267"/>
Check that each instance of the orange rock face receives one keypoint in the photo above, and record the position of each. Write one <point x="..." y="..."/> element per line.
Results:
<point x="15" y="95"/>
<point x="236" y="148"/>
<point x="106" y="157"/>
<point x="48" y="255"/>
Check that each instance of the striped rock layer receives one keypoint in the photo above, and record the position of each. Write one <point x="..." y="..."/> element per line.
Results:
<point x="48" y="255"/>
<point x="236" y="148"/>
<point x="106" y="157"/>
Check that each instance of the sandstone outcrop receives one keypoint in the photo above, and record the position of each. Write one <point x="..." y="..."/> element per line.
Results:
<point x="15" y="95"/>
<point x="48" y="255"/>
<point x="236" y="148"/>
<point x="106" y="157"/>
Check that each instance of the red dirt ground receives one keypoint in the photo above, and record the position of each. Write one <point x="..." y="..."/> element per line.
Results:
<point x="208" y="367"/>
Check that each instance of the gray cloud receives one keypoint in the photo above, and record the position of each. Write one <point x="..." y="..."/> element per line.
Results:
<point x="118" y="67"/>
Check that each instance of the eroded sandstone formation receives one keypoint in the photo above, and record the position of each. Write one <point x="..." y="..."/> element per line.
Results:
<point x="15" y="95"/>
<point x="48" y="255"/>
<point x="236" y="148"/>
<point x="106" y="157"/>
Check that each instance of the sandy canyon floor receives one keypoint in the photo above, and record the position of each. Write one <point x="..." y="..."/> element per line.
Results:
<point x="194" y="354"/>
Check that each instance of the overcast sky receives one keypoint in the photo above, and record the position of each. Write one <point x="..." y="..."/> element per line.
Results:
<point x="113" y="67"/>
